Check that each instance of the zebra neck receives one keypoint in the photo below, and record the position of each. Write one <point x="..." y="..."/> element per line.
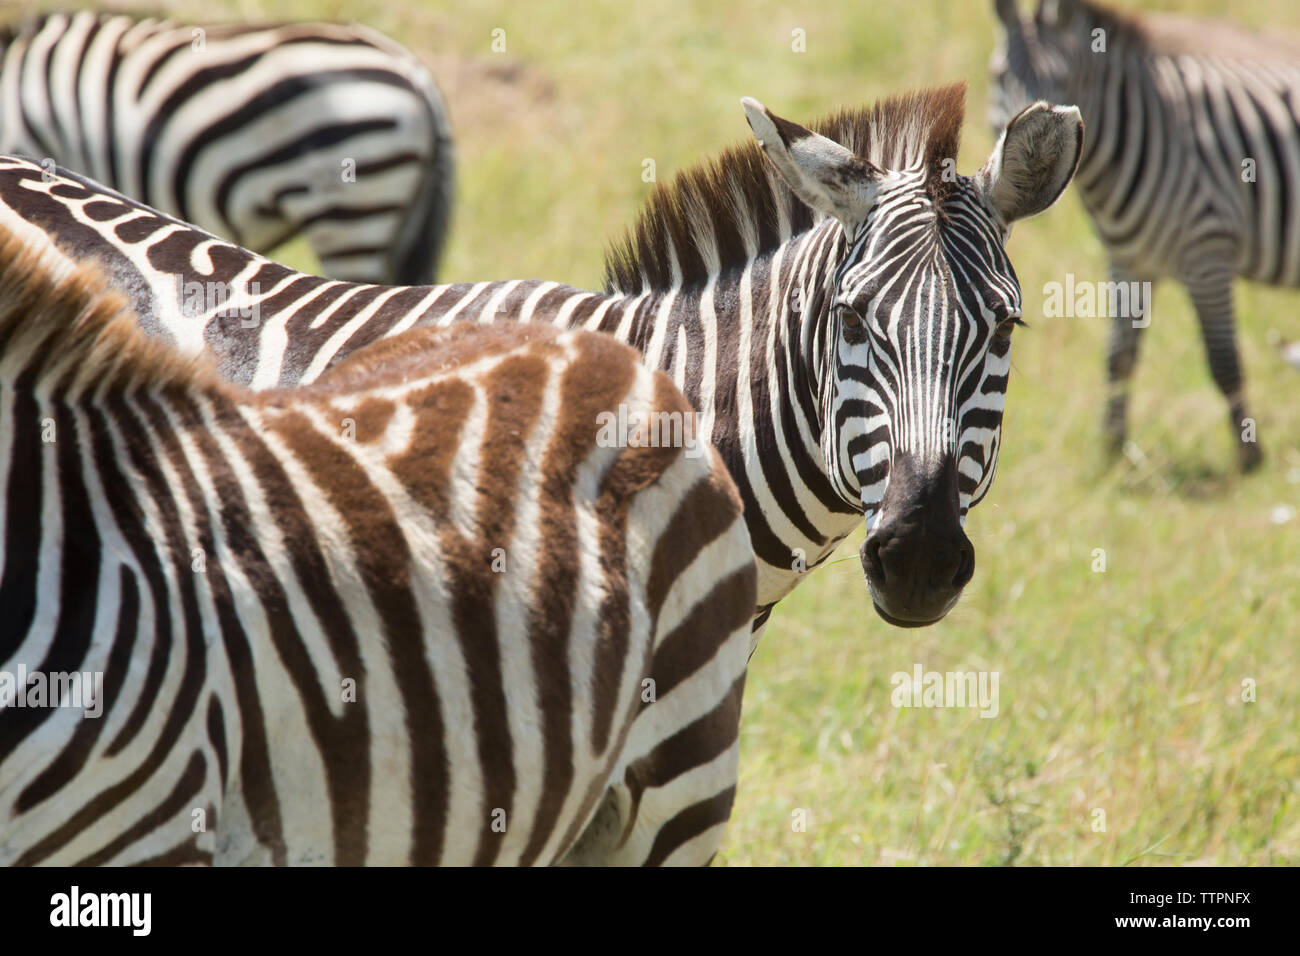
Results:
<point x="746" y="328"/>
<point x="746" y="349"/>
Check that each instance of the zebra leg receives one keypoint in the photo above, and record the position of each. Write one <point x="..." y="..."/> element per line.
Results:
<point x="1211" y="292"/>
<point x="1121" y="359"/>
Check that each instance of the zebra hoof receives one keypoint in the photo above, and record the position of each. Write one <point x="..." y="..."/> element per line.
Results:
<point x="1250" y="455"/>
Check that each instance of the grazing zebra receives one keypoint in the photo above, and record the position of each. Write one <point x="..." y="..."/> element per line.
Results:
<point x="839" y="316"/>
<point x="256" y="133"/>
<point x="1192" y="169"/>
<point x="417" y="612"/>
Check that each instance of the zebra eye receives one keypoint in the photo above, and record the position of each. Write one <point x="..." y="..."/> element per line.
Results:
<point x="849" y="317"/>
<point x="1008" y="325"/>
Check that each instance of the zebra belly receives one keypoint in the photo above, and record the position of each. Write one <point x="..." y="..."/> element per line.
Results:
<point x="318" y="822"/>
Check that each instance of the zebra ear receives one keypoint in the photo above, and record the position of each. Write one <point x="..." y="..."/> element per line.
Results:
<point x="820" y="171"/>
<point x="1033" y="162"/>
<point x="1006" y="11"/>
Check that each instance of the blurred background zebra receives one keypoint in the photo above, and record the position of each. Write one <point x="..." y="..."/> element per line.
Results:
<point x="1191" y="168"/>
<point x="258" y="133"/>
<point x="421" y="613"/>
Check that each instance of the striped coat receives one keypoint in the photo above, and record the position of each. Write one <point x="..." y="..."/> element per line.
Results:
<point x="419" y="612"/>
<point x="259" y="133"/>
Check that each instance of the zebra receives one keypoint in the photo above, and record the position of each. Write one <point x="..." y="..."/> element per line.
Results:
<point x="838" y="313"/>
<point x="1191" y="172"/>
<point x="258" y="133"/>
<point x="306" y="653"/>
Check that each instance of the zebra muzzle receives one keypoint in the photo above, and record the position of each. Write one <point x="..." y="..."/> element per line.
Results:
<point x="917" y="559"/>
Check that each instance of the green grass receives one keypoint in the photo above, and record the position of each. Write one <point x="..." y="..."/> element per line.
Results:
<point x="1120" y="691"/>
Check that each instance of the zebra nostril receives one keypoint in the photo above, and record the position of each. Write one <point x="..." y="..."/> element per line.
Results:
<point x="871" y="563"/>
<point x="965" y="566"/>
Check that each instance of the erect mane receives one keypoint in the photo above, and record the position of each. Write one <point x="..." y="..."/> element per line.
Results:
<point x="723" y="212"/>
<point x="72" y="330"/>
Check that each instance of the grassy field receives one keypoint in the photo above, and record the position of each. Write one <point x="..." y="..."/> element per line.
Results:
<point x="1121" y="691"/>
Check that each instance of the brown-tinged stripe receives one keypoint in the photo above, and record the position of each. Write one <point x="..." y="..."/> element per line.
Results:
<point x="599" y="782"/>
<point x="692" y="746"/>
<point x="596" y="379"/>
<point x="515" y="391"/>
<point x="343" y="742"/>
<point x="384" y="567"/>
<point x="634" y="470"/>
<point x="706" y="513"/>
<point x="371" y="418"/>
<point x="683" y="651"/>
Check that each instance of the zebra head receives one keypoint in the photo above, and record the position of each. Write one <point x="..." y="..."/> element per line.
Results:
<point x="910" y="323"/>
<point x="1033" y="59"/>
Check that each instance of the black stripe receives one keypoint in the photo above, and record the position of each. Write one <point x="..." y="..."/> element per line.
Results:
<point x="22" y="531"/>
<point x="319" y="138"/>
<point x="689" y="824"/>
<point x="72" y="759"/>
<point x="217" y="737"/>
<point x="276" y="96"/>
<point x="78" y="584"/>
<point x="181" y="796"/>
